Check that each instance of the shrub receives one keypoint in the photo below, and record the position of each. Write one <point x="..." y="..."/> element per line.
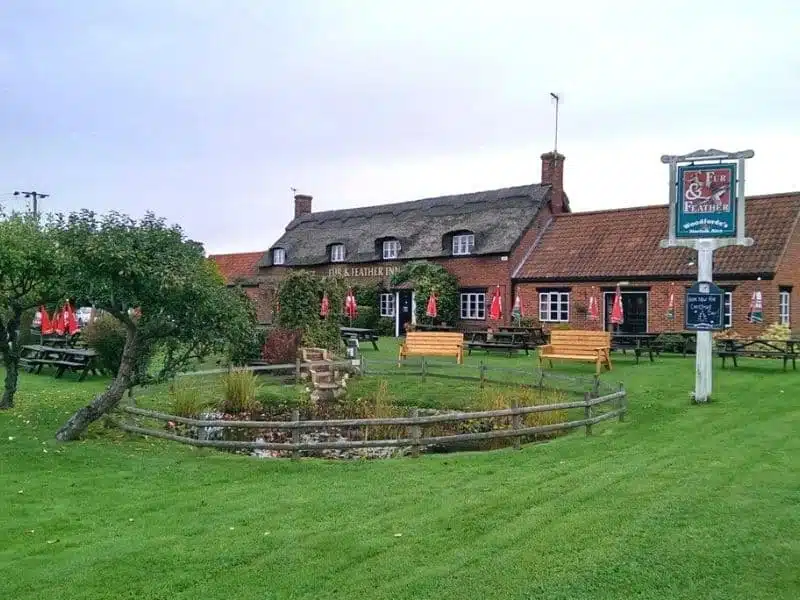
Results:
<point x="385" y="326"/>
<point x="239" y="390"/>
<point x="280" y="346"/>
<point x="776" y="333"/>
<point x="186" y="400"/>
<point x="106" y="336"/>
<point x="323" y="334"/>
<point x="367" y="318"/>
<point x="561" y="326"/>
<point x="670" y="342"/>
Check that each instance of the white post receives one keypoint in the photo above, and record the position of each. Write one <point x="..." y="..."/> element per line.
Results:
<point x="704" y="356"/>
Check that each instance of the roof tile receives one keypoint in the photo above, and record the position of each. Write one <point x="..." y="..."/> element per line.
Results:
<point x="625" y="243"/>
<point x="235" y="267"/>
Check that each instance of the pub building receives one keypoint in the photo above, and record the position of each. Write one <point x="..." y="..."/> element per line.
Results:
<point x="526" y="240"/>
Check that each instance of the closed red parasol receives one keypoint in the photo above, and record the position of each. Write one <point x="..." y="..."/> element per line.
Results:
<point x="496" y="309"/>
<point x="617" y="313"/>
<point x="70" y="320"/>
<point x="594" y="311"/>
<point x="350" y="306"/>
<point x="46" y="326"/>
<point x="325" y="307"/>
<point x="60" y="323"/>
<point x="431" y="310"/>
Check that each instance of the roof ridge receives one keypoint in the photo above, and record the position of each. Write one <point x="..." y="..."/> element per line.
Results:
<point x="420" y="200"/>
<point x="237" y="253"/>
<point x="759" y="197"/>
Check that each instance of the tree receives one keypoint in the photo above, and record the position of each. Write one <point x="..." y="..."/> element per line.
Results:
<point x="30" y="266"/>
<point x="159" y="286"/>
<point x="428" y="277"/>
<point x="300" y="297"/>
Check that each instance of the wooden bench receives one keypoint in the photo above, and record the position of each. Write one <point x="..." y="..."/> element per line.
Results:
<point x="586" y="346"/>
<point x="432" y="343"/>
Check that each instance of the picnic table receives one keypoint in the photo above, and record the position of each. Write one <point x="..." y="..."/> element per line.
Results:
<point x="35" y="356"/>
<point x="638" y="342"/>
<point x="360" y="334"/>
<point x="759" y="348"/>
<point x="538" y="337"/>
<point x="434" y="327"/>
<point x="508" y="341"/>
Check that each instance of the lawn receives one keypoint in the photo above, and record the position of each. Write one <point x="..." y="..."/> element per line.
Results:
<point x="678" y="502"/>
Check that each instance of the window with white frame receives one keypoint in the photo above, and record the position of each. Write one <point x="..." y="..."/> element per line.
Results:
<point x="785" y="306"/>
<point x="554" y="307"/>
<point x="391" y="249"/>
<point x="728" y="310"/>
<point x="387" y="305"/>
<point x="278" y="256"/>
<point x="473" y="305"/>
<point x="337" y="253"/>
<point x="463" y="243"/>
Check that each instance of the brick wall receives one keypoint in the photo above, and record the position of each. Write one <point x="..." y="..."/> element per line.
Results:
<point x="658" y="301"/>
<point x="788" y="275"/>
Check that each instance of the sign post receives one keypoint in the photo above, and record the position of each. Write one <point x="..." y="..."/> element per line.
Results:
<point x="706" y="212"/>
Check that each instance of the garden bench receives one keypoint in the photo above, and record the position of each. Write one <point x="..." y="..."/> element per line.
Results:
<point x="432" y="343"/>
<point x="585" y="346"/>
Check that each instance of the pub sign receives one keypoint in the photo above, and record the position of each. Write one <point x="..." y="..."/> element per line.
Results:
<point x="706" y="203"/>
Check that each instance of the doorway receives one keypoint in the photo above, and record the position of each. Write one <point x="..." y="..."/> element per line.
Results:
<point x="634" y="307"/>
<point x="405" y="310"/>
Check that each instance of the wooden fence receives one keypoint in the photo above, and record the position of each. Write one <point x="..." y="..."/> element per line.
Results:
<point x="415" y="440"/>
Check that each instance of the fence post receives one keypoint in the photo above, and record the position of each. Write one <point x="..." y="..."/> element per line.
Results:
<point x="516" y="421"/>
<point x="623" y="403"/>
<point x="482" y="370"/>
<point x="295" y="434"/>
<point x="424" y="363"/>
<point x="297" y="366"/>
<point x="596" y="386"/>
<point x="541" y="382"/>
<point x="415" y="432"/>
<point x="587" y="412"/>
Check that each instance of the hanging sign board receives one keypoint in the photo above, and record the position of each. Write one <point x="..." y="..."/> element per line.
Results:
<point x="705" y="307"/>
<point x="706" y="201"/>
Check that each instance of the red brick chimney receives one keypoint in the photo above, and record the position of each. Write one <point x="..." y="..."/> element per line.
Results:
<point x="302" y="205"/>
<point x="553" y="175"/>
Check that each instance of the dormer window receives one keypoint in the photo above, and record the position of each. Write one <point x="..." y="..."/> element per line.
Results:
<point x="391" y="249"/>
<point x="337" y="253"/>
<point x="463" y="243"/>
<point x="278" y="256"/>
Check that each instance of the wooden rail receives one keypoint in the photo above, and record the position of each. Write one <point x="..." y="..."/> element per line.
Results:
<point x="414" y="424"/>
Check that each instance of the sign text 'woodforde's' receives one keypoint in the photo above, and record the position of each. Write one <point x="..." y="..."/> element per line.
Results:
<point x="706" y="202"/>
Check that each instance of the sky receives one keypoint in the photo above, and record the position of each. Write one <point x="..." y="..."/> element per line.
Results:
<point x="208" y="112"/>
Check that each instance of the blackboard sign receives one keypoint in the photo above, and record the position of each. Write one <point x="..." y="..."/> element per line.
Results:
<point x="705" y="307"/>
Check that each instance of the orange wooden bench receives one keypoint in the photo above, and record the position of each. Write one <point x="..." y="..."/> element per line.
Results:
<point x="433" y="343"/>
<point x="572" y="344"/>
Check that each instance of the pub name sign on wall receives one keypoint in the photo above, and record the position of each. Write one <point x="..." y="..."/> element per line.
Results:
<point x="706" y="212"/>
<point x="355" y="272"/>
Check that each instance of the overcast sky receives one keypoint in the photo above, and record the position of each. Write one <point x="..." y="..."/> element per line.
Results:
<point x="207" y="112"/>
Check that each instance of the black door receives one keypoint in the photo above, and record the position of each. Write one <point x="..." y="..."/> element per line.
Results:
<point x="404" y="309"/>
<point x="634" y="307"/>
